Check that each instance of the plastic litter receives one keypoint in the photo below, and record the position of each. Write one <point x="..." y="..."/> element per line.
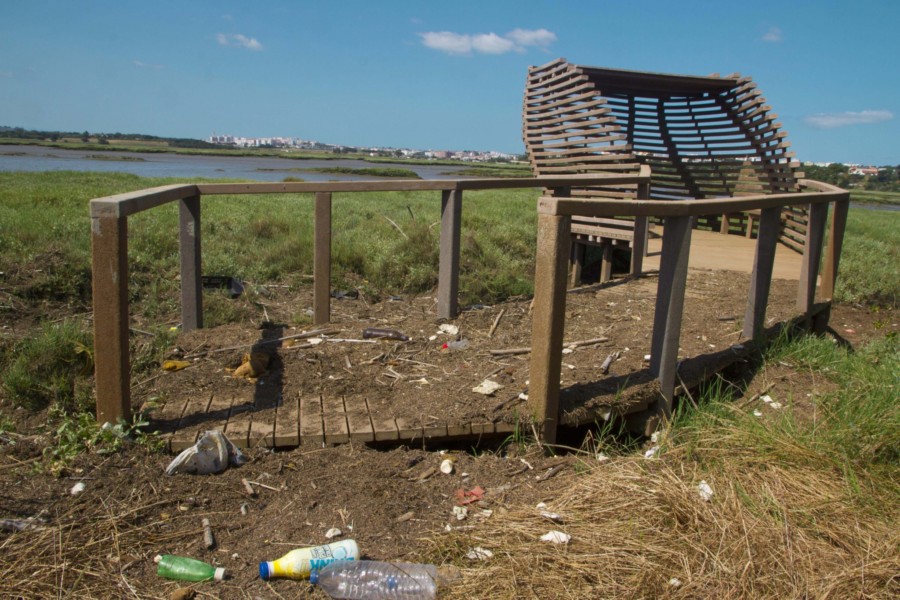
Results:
<point x="77" y="488"/>
<point x="455" y="345"/>
<point x="487" y="387"/>
<point x="706" y="492"/>
<point x="253" y="364"/>
<point x="556" y="537"/>
<point x="464" y="497"/>
<point x="376" y="580"/>
<point x="675" y="582"/>
<point x="175" y="365"/>
<point x="448" y="329"/>
<point x="212" y="453"/>
<point x="233" y="287"/>
<point x="300" y="563"/>
<point x="183" y="568"/>
<point x="652" y="452"/>
<point x="333" y="533"/>
<point x="460" y="512"/>
<point x="479" y="553"/>
<point x="447" y="466"/>
<point x="386" y="334"/>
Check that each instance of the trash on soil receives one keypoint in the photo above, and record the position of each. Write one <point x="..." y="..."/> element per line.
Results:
<point x="568" y="350"/>
<point x="552" y="516"/>
<point x="387" y="334"/>
<point x="757" y="413"/>
<point x="333" y="533"/>
<point x="479" y="553"/>
<point x="233" y="287"/>
<point x="652" y="452"/>
<point x="487" y="387"/>
<point x="601" y="457"/>
<point x="646" y="358"/>
<point x="654" y="437"/>
<point x="299" y="563"/>
<point x="345" y="294"/>
<point x="447" y="466"/>
<point x="706" y="492"/>
<point x="551" y="472"/>
<point x="556" y="537"/>
<point x="253" y="364"/>
<point x="249" y="488"/>
<point x="775" y="405"/>
<point x="245" y="508"/>
<point x="448" y="329"/>
<point x="485" y="513"/>
<point x="175" y="365"/>
<point x="460" y="512"/>
<point x="18" y="524"/>
<point x="183" y="568"/>
<point x="77" y="488"/>
<point x="376" y="580"/>
<point x="211" y="454"/>
<point x="456" y="345"/>
<point x="464" y="497"/>
<point x="405" y="517"/>
<point x="766" y="398"/>
<point x="675" y="582"/>
<point x="209" y="542"/>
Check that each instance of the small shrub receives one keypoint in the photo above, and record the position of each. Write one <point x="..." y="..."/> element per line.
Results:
<point x="47" y="368"/>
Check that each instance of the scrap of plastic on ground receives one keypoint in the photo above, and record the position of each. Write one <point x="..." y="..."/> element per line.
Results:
<point x="212" y="453"/>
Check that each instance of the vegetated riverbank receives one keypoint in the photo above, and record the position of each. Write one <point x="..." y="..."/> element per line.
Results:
<point x="367" y="172"/>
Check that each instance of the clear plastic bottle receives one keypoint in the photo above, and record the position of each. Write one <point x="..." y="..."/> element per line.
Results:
<point x="375" y="580"/>
<point x="187" y="569"/>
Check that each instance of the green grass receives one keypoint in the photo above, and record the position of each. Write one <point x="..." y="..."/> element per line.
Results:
<point x="870" y="260"/>
<point x="874" y="197"/>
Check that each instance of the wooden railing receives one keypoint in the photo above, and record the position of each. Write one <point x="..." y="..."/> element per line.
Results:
<point x="109" y="246"/>
<point x="555" y="214"/>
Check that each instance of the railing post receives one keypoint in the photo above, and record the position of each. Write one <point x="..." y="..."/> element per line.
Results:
<point x="812" y="254"/>
<point x="676" y="249"/>
<point x="548" y="324"/>
<point x="833" y="251"/>
<point x="448" y="269"/>
<point x="761" y="278"/>
<point x="322" y="259"/>
<point x="189" y="244"/>
<point x="641" y="227"/>
<point x="109" y="282"/>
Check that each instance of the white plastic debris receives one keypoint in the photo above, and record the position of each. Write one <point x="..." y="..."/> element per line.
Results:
<point x="77" y="488"/>
<point x="568" y="350"/>
<point x="652" y="452"/>
<point x="601" y="458"/>
<point x="757" y="413"/>
<point x="706" y="492"/>
<point x="541" y="505"/>
<point x="655" y="437"/>
<point x="487" y="387"/>
<point x="767" y="399"/>
<point x="484" y="513"/>
<point x="675" y="582"/>
<point x="460" y="512"/>
<point x="646" y="358"/>
<point x="775" y="405"/>
<point x="556" y="537"/>
<point x="431" y="338"/>
<point x="523" y="396"/>
<point x="552" y="516"/>
<point x="315" y="341"/>
<point x="333" y="533"/>
<point x="479" y="553"/>
<point x="447" y="466"/>
<point x="212" y="453"/>
<point x="448" y="329"/>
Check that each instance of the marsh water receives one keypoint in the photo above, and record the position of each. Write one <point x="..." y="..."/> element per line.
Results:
<point x="184" y="166"/>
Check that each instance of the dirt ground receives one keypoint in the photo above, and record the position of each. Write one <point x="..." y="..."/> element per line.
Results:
<point x="390" y="498"/>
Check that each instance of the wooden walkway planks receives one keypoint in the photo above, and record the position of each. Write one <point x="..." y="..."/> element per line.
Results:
<point x="288" y="422"/>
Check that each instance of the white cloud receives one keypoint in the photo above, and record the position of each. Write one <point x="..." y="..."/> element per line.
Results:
<point x="773" y="35"/>
<point x="843" y="119"/>
<point x="143" y="65"/>
<point x="532" y="37"/>
<point x="239" y="40"/>
<point x="517" y="40"/>
<point x="491" y="43"/>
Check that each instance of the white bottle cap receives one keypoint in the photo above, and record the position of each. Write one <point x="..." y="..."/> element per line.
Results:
<point x="220" y="574"/>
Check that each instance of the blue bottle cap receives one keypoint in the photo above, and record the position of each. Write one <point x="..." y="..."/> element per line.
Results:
<point x="264" y="571"/>
<point x="314" y="577"/>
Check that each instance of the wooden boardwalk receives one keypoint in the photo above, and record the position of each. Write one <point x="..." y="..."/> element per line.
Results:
<point x="254" y="417"/>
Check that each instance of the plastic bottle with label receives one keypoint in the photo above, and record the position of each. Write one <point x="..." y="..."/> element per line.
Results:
<point x="299" y="563"/>
<point x="375" y="580"/>
<point x="187" y="569"/>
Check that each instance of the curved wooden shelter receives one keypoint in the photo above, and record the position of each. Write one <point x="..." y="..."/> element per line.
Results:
<point x="702" y="137"/>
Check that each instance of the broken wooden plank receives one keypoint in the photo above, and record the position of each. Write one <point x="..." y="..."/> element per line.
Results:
<point x="358" y="419"/>
<point x="334" y="416"/>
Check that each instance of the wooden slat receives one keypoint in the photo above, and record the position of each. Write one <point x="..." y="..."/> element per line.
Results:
<point x="237" y="430"/>
<point x="262" y="421"/>
<point x="287" y="422"/>
<point x="311" y="428"/>
<point x="385" y="428"/>
<point x="459" y="429"/>
<point x="335" y="417"/>
<point x="358" y="419"/>
<point x="193" y="420"/>
<point x="407" y="430"/>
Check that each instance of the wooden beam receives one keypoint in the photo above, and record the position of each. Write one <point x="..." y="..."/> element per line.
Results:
<point x="676" y="249"/>
<point x="641" y="228"/>
<point x="554" y="238"/>
<point x="189" y="244"/>
<point x="578" y="251"/>
<point x="833" y="251"/>
<point x="448" y="270"/>
<point x="761" y="278"/>
<point x="109" y="281"/>
<point x="812" y="254"/>
<point x="322" y="259"/>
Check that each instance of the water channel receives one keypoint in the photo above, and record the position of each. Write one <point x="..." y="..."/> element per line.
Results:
<point x="189" y="167"/>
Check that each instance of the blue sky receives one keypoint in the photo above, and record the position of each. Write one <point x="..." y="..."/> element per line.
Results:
<point x="432" y="75"/>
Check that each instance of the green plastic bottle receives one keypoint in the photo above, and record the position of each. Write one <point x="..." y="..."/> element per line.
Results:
<point x="187" y="569"/>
